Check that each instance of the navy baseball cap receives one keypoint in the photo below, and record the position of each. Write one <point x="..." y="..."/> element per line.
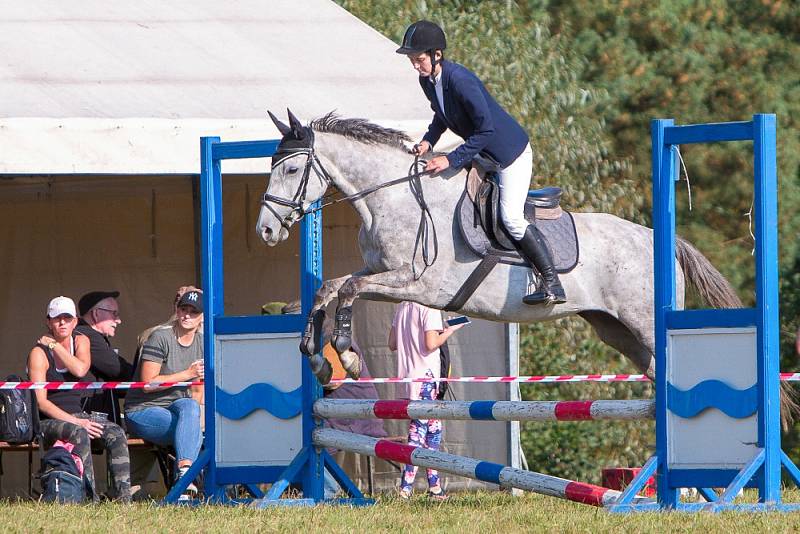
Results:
<point x="193" y="298"/>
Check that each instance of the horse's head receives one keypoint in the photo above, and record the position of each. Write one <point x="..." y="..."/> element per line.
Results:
<point x="297" y="180"/>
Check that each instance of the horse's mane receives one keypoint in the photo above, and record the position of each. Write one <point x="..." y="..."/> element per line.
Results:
<point x="360" y="130"/>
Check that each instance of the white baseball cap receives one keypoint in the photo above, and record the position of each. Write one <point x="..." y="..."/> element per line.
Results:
<point x="60" y="306"/>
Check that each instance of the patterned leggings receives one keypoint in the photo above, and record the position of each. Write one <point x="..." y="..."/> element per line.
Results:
<point x="114" y="442"/>
<point x="425" y="433"/>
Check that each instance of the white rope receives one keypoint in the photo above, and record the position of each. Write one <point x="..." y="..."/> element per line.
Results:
<point x="749" y="216"/>
<point x="677" y="149"/>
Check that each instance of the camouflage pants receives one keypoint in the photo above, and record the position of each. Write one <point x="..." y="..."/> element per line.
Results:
<point x="114" y="442"/>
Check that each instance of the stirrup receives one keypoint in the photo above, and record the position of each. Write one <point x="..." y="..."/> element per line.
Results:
<point x="545" y="296"/>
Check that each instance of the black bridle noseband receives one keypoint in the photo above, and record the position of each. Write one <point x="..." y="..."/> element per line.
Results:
<point x="313" y="163"/>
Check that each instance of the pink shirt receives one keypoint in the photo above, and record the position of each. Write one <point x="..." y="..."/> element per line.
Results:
<point x="411" y="321"/>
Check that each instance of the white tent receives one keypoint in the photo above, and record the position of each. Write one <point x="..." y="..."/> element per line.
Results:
<point x="101" y="108"/>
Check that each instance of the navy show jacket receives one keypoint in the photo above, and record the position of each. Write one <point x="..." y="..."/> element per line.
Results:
<point x="472" y="113"/>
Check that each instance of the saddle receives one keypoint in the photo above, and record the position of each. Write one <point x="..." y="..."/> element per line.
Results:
<point x="478" y="216"/>
<point x="481" y="226"/>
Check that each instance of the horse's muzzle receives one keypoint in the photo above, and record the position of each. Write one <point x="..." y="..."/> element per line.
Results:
<point x="272" y="238"/>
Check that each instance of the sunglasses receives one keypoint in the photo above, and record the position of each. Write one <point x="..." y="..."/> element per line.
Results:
<point x="114" y="313"/>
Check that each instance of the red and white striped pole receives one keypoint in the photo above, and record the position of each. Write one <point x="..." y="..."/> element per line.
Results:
<point x="508" y="477"/>
<point x="610" y="410"/>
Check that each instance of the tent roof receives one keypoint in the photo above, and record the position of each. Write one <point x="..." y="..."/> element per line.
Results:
<point x="128" y="87"/>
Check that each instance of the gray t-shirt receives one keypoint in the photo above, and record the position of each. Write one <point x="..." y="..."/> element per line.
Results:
<point x="162" y="347"/>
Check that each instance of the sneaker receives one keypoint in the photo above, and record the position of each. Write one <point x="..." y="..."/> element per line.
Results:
<point x="405" y="493"/>
<point x="191" y="489"/>
<point x="437" y="495"/>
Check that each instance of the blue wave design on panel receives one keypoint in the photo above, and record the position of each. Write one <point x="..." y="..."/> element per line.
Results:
<point x="736" y="403"/>
<point x="281" y="404"/>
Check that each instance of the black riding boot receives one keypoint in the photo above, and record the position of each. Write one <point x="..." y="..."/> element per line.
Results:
<point x="534" y="249"/>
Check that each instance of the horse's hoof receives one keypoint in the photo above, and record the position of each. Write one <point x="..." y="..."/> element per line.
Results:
<point x="311" y="343"/>
<point x="321" y="368"/>
<point x="341" y="342"/>
<point x="342" y="338"/>
<point x="351" y="364"/>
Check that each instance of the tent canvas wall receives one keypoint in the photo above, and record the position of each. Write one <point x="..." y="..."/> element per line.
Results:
<point x="101" y="112"/>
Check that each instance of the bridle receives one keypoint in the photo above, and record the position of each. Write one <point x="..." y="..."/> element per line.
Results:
<point x="298" y="200"/>
<point x="313" y="162"/>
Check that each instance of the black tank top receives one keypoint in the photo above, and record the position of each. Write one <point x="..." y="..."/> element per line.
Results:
<point x="69" y="400"/>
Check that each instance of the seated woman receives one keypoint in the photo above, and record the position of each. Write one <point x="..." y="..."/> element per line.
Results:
<point x="170" y="416"/>
<point x="197" y="391"/>
<point x="63" y="355"/>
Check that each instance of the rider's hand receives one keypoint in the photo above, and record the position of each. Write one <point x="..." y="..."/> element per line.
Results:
<point x="421" y="148"/>
<point x="437" y="164"/>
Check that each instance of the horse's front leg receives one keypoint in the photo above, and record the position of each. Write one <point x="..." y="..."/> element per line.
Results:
<point x="311" y="342"/>
<point x="398" y="284"/>
<point x="312" y="336"/>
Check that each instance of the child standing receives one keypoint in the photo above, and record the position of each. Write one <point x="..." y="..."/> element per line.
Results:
<point x="417" y="333"/>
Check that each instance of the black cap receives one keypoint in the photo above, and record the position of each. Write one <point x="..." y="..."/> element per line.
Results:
<point x="192" y="298"/>
<point x="422" y="36"/>
<point x="90" y="300"/>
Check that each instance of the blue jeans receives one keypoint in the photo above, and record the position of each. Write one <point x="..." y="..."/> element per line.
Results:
<point x="332" y="488"/>
<point x="177" y="425"/>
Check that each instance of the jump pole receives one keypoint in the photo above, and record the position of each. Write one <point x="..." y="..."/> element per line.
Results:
<point x="608" y="410"/>
<point x="508" y="477"/>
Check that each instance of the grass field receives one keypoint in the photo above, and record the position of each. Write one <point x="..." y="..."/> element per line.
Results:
<point x="462" y="514"/>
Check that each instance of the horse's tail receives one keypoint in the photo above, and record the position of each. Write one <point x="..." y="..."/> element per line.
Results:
<point x="715" y="290"/>
<point x="712" y="286"/>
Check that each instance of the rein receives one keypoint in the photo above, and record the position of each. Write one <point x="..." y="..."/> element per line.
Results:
<point x="415" y="184"/>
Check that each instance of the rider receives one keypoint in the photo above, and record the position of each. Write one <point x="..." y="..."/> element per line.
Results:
<point x="461" y="102"/>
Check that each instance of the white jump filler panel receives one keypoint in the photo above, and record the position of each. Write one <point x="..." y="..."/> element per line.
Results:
<point x="248" y="360"/>
<point x="696" y="359"/>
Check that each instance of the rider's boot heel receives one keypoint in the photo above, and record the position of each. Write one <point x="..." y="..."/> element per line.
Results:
<point x="534" y="249"/>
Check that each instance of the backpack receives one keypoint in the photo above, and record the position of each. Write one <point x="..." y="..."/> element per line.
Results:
<point x="60" y="478"/>
<point x="444" y="371"/>
<point x="19" y="416"/>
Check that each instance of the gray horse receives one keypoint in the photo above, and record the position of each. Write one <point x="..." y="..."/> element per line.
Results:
<point x="611" y="287"/>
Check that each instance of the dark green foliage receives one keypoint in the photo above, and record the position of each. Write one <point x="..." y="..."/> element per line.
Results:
<point x="706" y="61"/>
<point x="585" y="78"/>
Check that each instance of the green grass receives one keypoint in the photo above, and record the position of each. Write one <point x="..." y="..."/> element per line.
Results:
<point x="462" y="514"/>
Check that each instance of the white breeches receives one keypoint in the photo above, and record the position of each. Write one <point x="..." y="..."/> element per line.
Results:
<point x="515" y="181"/>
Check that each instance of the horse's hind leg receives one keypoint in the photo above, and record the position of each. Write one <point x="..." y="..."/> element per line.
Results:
<point x="616" y="334"/>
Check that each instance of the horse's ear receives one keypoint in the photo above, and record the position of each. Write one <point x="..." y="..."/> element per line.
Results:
<point x="282" y="128"/>
<point x="297" y="128"/>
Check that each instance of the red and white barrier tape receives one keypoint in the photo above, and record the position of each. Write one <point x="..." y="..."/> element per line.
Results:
<point x="785" y="377"/>
<point x="550" y="378"/>
<point x="93" y="385"/>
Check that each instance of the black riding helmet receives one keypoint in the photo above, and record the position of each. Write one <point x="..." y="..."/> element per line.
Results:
<point x="422" y="36"/>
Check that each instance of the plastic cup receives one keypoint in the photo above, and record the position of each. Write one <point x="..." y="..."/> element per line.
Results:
<point x="99" y="417"/>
